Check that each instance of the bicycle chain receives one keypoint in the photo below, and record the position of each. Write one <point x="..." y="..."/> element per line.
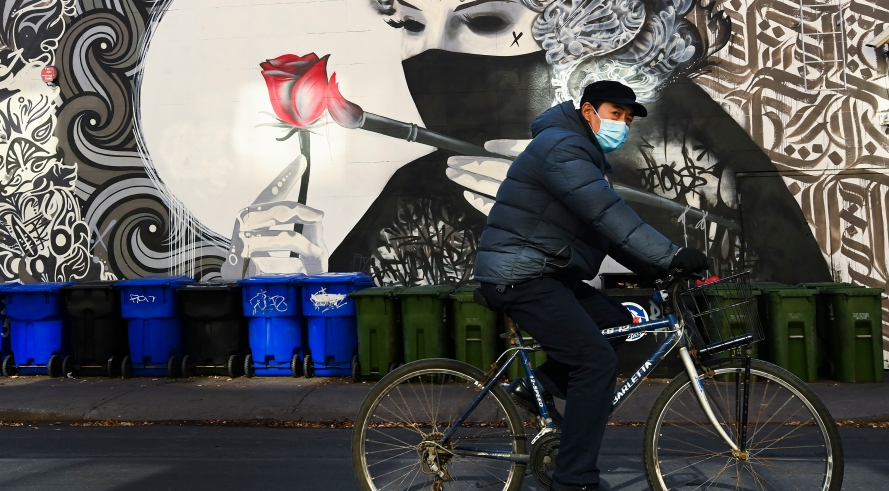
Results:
<point x="512" y="435"/>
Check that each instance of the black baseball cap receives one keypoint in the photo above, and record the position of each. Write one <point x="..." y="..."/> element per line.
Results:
<point x="611" y="91"/>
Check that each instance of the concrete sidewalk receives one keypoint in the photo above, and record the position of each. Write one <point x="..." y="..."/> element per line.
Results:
<point x="283" y="399"/>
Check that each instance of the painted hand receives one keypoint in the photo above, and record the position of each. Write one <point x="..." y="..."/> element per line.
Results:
<point x="481" y="176"/>
<point x="277" y="236"/>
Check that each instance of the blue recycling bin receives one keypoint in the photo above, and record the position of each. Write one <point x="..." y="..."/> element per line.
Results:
<point x="5" y="346"/>
<point x="154" y="329"/>
<point x="331" y="322"/>
<point x="38" y="334"/>
<point x="274" y="324"/>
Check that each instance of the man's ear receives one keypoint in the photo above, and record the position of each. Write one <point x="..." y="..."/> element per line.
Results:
<point x="588" y="113"/>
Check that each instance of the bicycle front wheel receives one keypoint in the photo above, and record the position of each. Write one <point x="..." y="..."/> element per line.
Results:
<point x="397" y="439"/>
<point x="791" y="440"/>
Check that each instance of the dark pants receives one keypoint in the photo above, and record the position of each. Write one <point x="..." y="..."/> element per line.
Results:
<point x="581" y="366"/>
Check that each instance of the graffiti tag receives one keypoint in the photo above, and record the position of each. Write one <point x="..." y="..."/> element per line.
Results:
<point x="134" y="298"/>
<point x="262" y="302"/>
<point x="326" y="301"/>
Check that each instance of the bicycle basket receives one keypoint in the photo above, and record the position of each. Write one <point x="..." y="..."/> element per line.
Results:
<point x="723" y="312"/>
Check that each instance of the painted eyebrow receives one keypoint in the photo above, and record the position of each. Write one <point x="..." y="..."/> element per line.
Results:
<point x="476" y="2"/>
<point x="409" y="5"/>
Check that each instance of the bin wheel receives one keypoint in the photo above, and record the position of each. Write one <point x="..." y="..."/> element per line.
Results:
<point x="392" y="366"/>
<point x="296" y="366"/>
<point x="126" y="367"/>
<point x="9" y="368"/>
<point x="68" y="366"/>
<point x="231" y="366"/>
<point x="54" y="366"/>
<point x="249" y="369"/>
<point x="112" y="367"/>
<point x="308" y="367"/>
<point x="356" y="369"/>
<point x="174" y="368"/>
<point x="188" y="367"/>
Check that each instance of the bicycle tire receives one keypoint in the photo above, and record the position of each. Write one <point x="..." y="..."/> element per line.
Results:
<point x="792" y="440"/>
<point x="413" y="405"/>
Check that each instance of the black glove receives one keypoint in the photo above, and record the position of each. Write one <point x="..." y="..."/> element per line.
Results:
<point x="689" y="260"/>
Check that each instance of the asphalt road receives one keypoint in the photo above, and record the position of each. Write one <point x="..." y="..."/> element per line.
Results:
<point x="157" y="458"/>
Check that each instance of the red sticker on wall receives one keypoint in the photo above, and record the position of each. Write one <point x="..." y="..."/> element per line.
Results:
<point x="48" y="74"/>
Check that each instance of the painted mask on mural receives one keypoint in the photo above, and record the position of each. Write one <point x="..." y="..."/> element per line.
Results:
<point x="478" y="97"/>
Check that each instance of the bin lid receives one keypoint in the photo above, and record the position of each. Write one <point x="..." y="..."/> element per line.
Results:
<point x="273" y="278"/>
<point x="628" y="292"/>
<point x="428" y="290"/>
<point x="854" y="291"/>
<point x="826" y="285"/>
<point x="7" y="286"/>
<point x="213" y="285"/>
<point x="464" y="294"/>
<point x="171" y="281"/>
<point x="357" y="278"/>
<point x="770" y="285"/>
<point x="784" y="290"/>
<point x="729" y="290"/>
<point x="92" y="285"/>
<point x="37" y="287"/>
<point x="376" y="291"/>
<point x="793" y="292"/>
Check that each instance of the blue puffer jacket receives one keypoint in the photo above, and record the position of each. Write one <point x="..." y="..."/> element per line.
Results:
<point x="557" y="216"/>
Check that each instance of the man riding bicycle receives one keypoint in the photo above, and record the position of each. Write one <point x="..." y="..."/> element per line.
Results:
<point x="554" y="221"/>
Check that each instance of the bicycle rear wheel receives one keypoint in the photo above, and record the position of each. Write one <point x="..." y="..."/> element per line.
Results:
<point x="792" y="440"/>
<point x="397" y="430"/>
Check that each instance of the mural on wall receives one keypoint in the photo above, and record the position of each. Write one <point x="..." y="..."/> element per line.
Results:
<point x="199" y="150"/>
<point x="129" y="213"/>
<point x="42" y="235"/>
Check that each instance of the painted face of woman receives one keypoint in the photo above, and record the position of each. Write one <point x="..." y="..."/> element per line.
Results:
<point x="482" y="27"/>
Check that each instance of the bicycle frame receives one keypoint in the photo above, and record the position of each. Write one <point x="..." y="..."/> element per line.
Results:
<point x="669" y="325"/>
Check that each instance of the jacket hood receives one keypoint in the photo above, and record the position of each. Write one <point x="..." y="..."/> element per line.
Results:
<point x="563" y="115"/>
<point x="566" y="117"/>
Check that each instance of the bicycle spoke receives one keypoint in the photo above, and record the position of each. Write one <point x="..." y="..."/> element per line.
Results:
<point x="787" y="446"/>
<point x="401" y="433"/>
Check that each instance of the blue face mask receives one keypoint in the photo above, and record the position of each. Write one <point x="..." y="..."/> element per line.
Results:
<point x="612" y="134"/>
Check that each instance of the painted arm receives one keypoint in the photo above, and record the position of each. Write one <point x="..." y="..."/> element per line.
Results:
<point x="273" y="235"/>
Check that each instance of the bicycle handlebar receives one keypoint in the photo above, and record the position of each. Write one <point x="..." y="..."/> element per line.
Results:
<point x="673" y="276"/>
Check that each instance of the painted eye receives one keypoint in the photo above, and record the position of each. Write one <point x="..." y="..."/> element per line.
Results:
<point x="485" y="23"/>
<point x="413" y="26"/>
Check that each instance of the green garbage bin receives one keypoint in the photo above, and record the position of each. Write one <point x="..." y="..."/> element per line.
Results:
<point x="851" y="317"/>
<point x="475" y="330"/>
<point x="424" y="319"/>
<point x="791" y="342"/>
<point x="378" y="319"/>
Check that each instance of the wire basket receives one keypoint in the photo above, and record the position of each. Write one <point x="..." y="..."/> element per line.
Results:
<point x="723" y="313"/>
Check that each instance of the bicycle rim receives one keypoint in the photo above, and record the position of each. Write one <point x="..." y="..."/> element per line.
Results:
<point x="792" y="442"/>
<point x="394" y="441"/>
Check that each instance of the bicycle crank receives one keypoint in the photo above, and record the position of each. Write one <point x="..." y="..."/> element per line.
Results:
<point x="543" y="458"/>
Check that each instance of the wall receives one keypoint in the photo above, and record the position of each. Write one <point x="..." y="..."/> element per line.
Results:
<point x="171" y="143"/>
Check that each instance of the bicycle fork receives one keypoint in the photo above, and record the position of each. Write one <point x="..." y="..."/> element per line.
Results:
<point x="704" y="402"/>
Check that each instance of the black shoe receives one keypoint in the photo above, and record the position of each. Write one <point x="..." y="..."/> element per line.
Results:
<point x="523" y="396"/>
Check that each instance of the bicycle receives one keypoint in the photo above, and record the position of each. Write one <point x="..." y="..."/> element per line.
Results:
<point x="728" y="421"/>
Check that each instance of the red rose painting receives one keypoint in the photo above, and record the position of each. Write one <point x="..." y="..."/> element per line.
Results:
<point x="297" y="87"/>
<point x="300" y="92"/>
